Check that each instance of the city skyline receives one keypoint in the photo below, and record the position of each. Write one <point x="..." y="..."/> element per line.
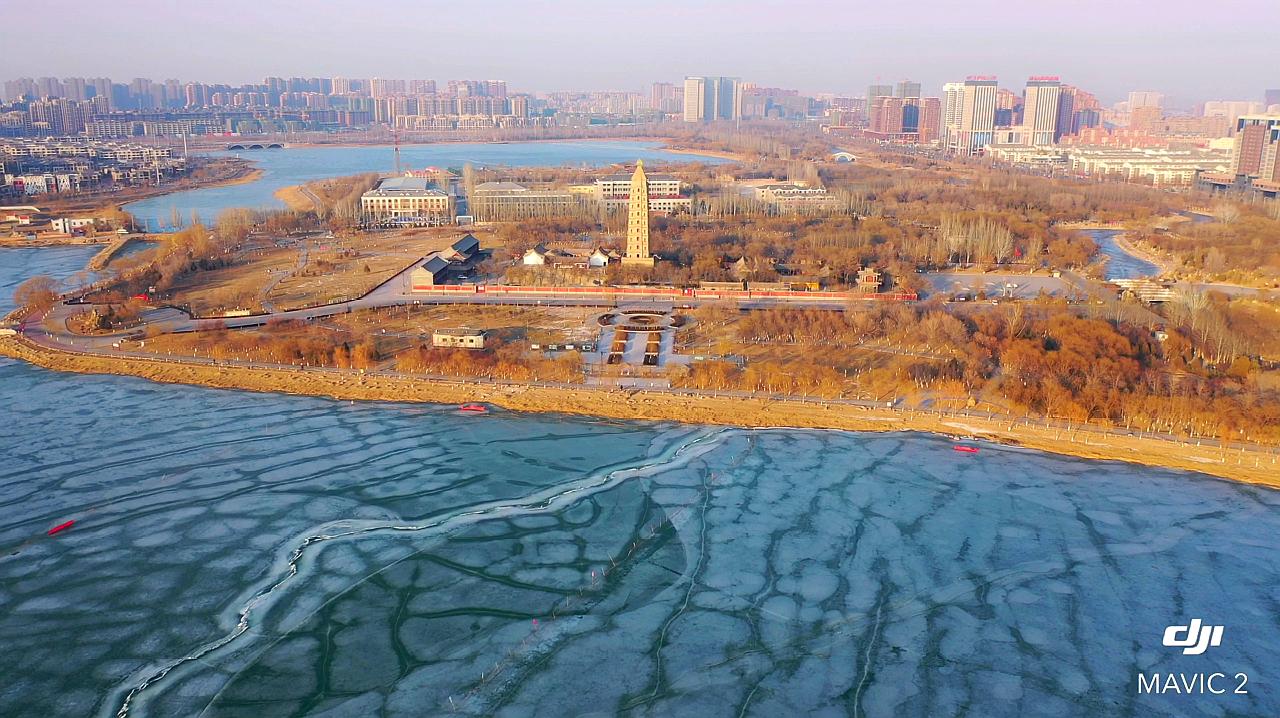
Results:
<point x="1112" y="48"/>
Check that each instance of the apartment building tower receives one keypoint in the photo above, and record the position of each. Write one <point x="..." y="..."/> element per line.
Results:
<point x="710" y="98"/>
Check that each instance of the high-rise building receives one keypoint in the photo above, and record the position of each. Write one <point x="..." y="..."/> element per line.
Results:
<point x="1271" y="97"/>
<point x="952" y="100"/>
<point x="905" y="119"/>
<point x="907" y="88"/>
<point x="976" y="115"/>
<point x="1257" y="147"/>
<point x="887" y="116"/>
<point x="174" y="97"/>
<point x="1232" y="109"/>
<point x="710" y="98"/>
<point x="638" y="220"/>
<point x="75" y="88"/>
<point x="1145" y="98"/>
<point x="1066" y="113"/>
<point x="58" y="116"/>
<point x="196" y="94"/>
<point x="930" y="120"/>
<point x="1008" y="108"/>
<point x="875" y="91"/>
<point x="518" y="105"/>
<point x="1073" y="105"/>
<point x="1040" y="106"/>
<point x="422" y="87"/>
<point x="379" y="87"/>
<point x="49" y="87"/>
<point x="665" y="97"/>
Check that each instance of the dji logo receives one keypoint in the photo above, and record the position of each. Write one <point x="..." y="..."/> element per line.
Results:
<point x="1198" y="637"/>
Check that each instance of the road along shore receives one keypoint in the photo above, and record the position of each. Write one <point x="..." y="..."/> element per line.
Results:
<point x="1249" y="465"/>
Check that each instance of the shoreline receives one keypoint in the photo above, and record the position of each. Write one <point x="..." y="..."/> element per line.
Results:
<point x="664" y="142"/>
<point x="1122" y="241"/>
<point x="246" y="173"/>
<point x="293" y="198"/>
<point x="1249" y="466"/>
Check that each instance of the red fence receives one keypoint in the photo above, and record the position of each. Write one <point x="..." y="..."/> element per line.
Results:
<point x="672" y="293"/>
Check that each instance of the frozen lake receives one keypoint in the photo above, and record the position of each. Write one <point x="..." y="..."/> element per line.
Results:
<point x="244" y="554"/>
<point x="296" y="165"/>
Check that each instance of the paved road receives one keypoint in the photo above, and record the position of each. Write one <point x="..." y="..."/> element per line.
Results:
<point x="995" y="284"/>
<point x="280" y="275"/>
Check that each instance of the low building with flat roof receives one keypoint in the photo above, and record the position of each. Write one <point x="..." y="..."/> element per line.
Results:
<point x="789" y="197"/>
<point x="665" y="192"/>
<point x="500" y="201"/>
<point x="461" y="338"/>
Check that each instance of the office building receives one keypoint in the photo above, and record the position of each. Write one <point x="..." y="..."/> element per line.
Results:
<point x="974" y="117"/>
<point x="708" y="98"/>
<point x="1040" y="107"/>
<point x="406" y="200"/>
<point x="791" y="198"/>
<point x="907" y="88"/>
<point x="505" y="201"/>
<point x="665" y="192"/>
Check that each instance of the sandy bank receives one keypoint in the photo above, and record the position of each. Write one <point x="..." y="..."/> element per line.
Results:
<point x="1250" y="466"/>
<point x="295" y="199"/>
<point x="1145" y="254"/>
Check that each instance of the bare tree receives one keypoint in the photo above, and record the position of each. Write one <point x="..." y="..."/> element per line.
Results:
<point x="37" y="293"/>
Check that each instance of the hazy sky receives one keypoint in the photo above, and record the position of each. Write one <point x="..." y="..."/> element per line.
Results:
<point x="1209" y="49"/>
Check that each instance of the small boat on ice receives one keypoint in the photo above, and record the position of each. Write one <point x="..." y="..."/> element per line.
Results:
<point x="61" y="527"/>
<point x="474" y="409"/>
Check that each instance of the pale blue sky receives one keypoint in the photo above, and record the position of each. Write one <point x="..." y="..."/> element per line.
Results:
<point x="1220" y="49"/>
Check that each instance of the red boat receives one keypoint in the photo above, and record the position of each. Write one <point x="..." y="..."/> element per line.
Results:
<point x="61" y="527"/>
<point x="474" y="408"/>
<point x="966" y="449"/>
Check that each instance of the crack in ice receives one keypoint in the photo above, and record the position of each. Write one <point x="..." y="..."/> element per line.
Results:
<point x="539" y="502"/>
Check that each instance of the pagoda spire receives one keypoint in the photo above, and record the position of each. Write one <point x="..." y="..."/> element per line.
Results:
<point x="638" y="219"/>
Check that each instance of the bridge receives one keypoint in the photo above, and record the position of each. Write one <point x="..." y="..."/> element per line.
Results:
<point x="255" y="146"/>
<point x="844" y="157"/>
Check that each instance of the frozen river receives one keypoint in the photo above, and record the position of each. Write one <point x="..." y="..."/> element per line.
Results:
<point x="241" y="554"/>
<point x="1120" y="264"/>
